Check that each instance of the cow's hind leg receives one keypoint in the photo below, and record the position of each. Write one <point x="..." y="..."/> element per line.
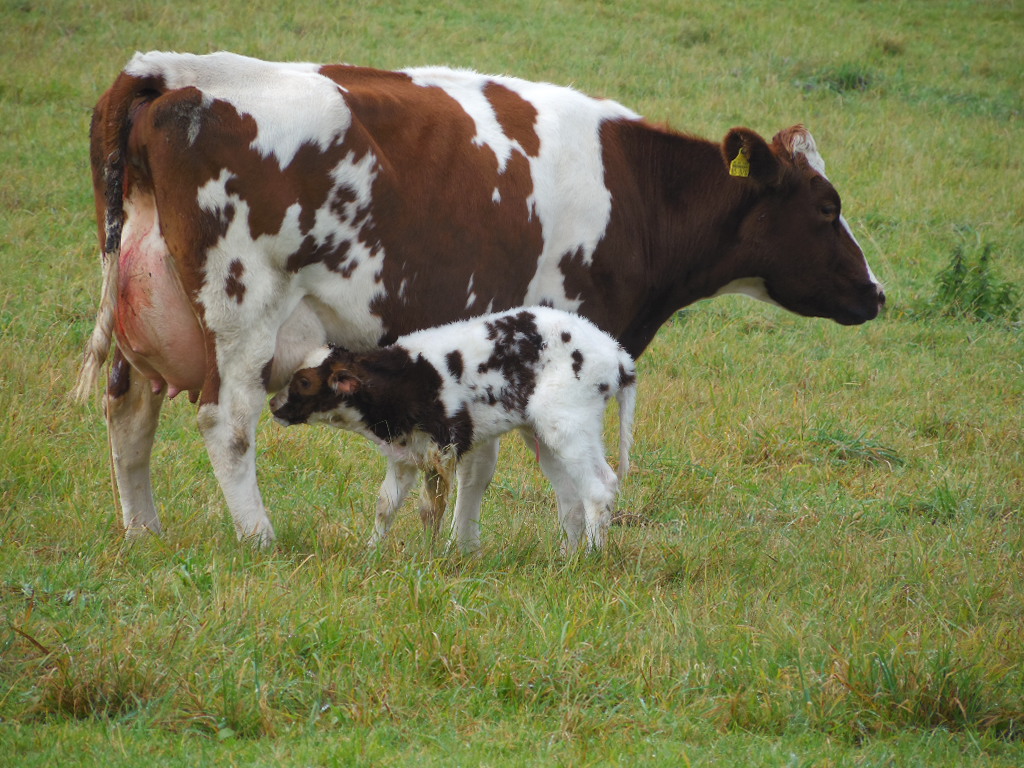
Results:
<point x="393" y="490"/>
<point x="132" y="411"/>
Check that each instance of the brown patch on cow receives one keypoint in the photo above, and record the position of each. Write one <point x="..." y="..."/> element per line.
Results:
<point x="434" y="199"/>
<point x="266" y="373"/>
<point x="566" y="337"/>
<point x="516" y="116"/>
<point x="604" y="387"/>
<point x="329" y="253"/>
<point x="239" y="443"/>
<point x="233" y="285"/>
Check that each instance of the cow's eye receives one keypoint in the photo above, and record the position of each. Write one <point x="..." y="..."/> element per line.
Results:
<point x="304" y="383"/>
<point x="830" y="211"/>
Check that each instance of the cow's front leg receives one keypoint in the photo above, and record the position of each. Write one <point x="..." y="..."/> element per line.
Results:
<point x="229" y="411"/>
<point x="393" y="490"/>
<point x="132" y="411"/>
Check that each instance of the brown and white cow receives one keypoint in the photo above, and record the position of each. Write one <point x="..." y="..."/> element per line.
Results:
<point x="250" y="210"/>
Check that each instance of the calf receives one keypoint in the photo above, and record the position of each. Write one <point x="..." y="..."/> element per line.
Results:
<point x="448" y="391"/>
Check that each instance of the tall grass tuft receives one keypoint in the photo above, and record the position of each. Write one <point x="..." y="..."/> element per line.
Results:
<point x="969" y="287"/>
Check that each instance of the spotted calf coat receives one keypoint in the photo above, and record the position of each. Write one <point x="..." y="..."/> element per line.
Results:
<point x="452" y="389"/>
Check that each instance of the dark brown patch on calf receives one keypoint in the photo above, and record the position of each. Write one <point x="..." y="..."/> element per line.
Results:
<point x="566" y="337"/>
<point x="603" y="387"/>
<point x="516" y="351"/>
<point x="233" y="285"/>
<point x="396" y="395"/>
<point x="577" y="363"/>
<point x="625" y="377"/>
<point x="455" y="364"/>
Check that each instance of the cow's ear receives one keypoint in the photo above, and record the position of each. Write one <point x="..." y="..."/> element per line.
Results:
<point x="797" y="142"/>
<point x="747" y="155"/>
<point x="342" y="382"/>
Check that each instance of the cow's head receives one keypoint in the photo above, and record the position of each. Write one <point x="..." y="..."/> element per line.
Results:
<point x="795" y="247"/>
<point x="320" y="391"/>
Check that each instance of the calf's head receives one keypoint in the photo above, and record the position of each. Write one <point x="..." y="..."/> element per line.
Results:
<point x="319" y="391"/>
<point x="792" y="236"/>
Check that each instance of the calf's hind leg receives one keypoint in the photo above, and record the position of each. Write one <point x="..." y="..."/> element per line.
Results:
<point x="434" y="496"/>
<point x="581" y="459"/>
<point x="570" y="506"/>
<point x="132" y="411"/>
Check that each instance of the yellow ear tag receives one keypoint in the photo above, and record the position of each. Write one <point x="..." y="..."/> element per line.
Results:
<point x="740" y="166"/>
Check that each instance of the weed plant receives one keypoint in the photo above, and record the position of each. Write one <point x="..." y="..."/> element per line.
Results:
<point x="824" y="561"/>
<point x="970" y="288"/>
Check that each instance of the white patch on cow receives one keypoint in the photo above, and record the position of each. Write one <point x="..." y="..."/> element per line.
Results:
<point x="803" y="144"/>
<point x="269" y="300"/>
<point x="752" y="287"/>
<point x="291" y="103"/>
<point x="871" y="275"/>
<point x="496" y="196"/>
<point x="467" y="88"/>
<point x="569" y="195"/>
<point x="316" y="357"/>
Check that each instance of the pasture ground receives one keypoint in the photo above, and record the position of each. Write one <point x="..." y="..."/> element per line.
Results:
<point x="829" y="571"/>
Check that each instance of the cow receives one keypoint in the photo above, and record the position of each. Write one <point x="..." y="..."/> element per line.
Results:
<point x="245" y="206"/>
<point x="457" y="388"/>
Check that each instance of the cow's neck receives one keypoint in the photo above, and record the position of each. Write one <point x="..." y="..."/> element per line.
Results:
<point x="691" y="210"/>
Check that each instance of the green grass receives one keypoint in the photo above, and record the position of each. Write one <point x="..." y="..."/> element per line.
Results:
<point x="827" y="565"/>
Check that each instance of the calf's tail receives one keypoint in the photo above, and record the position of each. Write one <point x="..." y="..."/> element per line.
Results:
<point x="626" y="397"/>
<point x="111" y="126"/>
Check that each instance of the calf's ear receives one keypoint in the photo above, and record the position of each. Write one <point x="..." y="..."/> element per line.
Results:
<point x="342" y="382"/>
<point x="747" y="155"/>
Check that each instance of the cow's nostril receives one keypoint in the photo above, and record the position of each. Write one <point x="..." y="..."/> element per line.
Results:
<point x="881" y="297"/>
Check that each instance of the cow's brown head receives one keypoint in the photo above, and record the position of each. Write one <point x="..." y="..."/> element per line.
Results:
<point x="796" y="247"/>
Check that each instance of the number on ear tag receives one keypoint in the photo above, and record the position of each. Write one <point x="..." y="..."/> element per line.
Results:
<point x="741" y="165"/>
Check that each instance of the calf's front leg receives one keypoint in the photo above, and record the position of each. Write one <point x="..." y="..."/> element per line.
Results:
<point x="475" y="470"/>
<point x="393" y="490"/>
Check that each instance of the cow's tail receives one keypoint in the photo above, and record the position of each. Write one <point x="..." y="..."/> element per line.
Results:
<point x="626" y="397"/>
<point x="111" y="126"/>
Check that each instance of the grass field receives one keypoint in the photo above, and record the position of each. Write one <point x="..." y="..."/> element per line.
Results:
<point x="830" y="570"/>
